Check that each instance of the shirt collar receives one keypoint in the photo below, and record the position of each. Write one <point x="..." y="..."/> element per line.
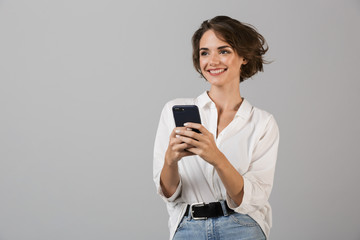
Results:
<point x="244" y="111"/>
<point x="204" y="100"/>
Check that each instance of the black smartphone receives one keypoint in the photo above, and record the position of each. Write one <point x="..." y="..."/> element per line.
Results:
<point x="186" y="113"/>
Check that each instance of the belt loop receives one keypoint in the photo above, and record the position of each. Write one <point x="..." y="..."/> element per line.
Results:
<point x="223" y="206"/>
<point x="188" y="211"/>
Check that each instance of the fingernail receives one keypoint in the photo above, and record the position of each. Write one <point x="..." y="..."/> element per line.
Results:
<point x="177" y="136"/>
<point x="185" y="124"/>
<point x="177" y="131"/>
<point x="189" y="129"/>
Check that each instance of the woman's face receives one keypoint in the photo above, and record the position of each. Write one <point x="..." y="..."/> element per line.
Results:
<point x="219" y="63"/>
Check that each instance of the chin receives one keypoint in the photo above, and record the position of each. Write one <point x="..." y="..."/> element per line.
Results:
<point x="214" y="81"/>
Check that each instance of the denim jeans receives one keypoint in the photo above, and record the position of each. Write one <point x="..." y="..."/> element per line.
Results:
<point x="235" y="226"/>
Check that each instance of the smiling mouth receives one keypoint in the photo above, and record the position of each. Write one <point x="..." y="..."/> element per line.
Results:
<point x="215" y="72"/>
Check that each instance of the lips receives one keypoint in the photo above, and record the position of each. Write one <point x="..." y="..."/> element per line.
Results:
<point x="217" y="71"/>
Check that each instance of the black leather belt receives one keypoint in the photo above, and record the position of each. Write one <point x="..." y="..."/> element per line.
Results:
<point x="209" y="210"/>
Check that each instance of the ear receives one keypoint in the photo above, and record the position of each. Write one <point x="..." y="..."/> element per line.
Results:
<point x="245" y="61"/>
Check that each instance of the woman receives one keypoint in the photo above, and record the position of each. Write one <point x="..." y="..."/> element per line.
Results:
<point x="216" y="183"/>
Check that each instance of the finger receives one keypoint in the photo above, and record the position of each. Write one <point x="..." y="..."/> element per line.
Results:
<point x="186" y="153"/>
<point x="197" y="126"/>
<point x="190" y="133"/>
<point x="173" y="132"/>
<point x="181" y="147"/>
<point x="176" y="141"/>
<point x="194" y="151"/>
<point x="189" y="141"/>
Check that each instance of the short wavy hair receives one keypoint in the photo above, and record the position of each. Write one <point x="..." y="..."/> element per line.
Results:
<point x="242" y="37"/>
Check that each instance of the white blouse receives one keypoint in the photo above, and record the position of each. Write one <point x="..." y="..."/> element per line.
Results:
<point x="250" y="142"/>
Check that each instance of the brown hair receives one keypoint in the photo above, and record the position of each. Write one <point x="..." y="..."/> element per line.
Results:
<point x="243" y="38"/>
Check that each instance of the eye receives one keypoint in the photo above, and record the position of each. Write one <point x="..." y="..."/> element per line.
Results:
<point x="203" y="53"/>
<point x="224" y="51"/>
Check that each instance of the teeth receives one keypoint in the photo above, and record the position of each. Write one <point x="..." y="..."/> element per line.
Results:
<point x="217" y="71"/>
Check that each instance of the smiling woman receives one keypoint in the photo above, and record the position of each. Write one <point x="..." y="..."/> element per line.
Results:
<point x="242" y="38"/>
<point x="217" y="182"/>
<point x="218" y="61"/>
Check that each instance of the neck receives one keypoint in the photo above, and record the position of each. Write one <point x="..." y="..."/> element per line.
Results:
<point x="226" y="99"/>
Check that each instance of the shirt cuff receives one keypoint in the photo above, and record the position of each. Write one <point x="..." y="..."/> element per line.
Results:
<point x="173" y="197"/>
<point x="243" y="207"/>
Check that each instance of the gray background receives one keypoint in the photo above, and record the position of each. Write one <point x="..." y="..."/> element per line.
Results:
<point x="83" y="83"/>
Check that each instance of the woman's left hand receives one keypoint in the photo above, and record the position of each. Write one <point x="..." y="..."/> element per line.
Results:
<point x="203" y="143"/>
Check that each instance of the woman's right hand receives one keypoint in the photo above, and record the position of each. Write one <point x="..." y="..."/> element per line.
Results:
<point x="176" y="149"/>
<point x="170" y="178"/>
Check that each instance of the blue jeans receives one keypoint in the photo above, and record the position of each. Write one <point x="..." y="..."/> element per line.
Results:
<point x="235" y="226"/>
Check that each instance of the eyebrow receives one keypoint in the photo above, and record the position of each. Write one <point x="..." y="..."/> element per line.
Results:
<point x="221" y="47"/>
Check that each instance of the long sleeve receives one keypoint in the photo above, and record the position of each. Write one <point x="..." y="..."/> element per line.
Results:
<point x="258" y="180"/>
<point x="166" y="125"/>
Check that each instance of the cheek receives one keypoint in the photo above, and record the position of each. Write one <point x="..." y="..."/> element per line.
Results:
<point x="202" y="64"/>
<point x="236" y="64"/>
<point x="230" y="61"/>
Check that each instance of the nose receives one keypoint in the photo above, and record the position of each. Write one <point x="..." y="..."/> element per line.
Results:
<point x="214" y="60"/>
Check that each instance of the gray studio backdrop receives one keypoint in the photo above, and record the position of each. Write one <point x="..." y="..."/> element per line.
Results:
<point x="82" y="85"/>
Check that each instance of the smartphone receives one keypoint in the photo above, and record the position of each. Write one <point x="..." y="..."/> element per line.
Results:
<point x="186" y="113"/>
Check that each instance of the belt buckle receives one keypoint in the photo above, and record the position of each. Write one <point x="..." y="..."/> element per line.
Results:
<point x="192" y="212"/>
